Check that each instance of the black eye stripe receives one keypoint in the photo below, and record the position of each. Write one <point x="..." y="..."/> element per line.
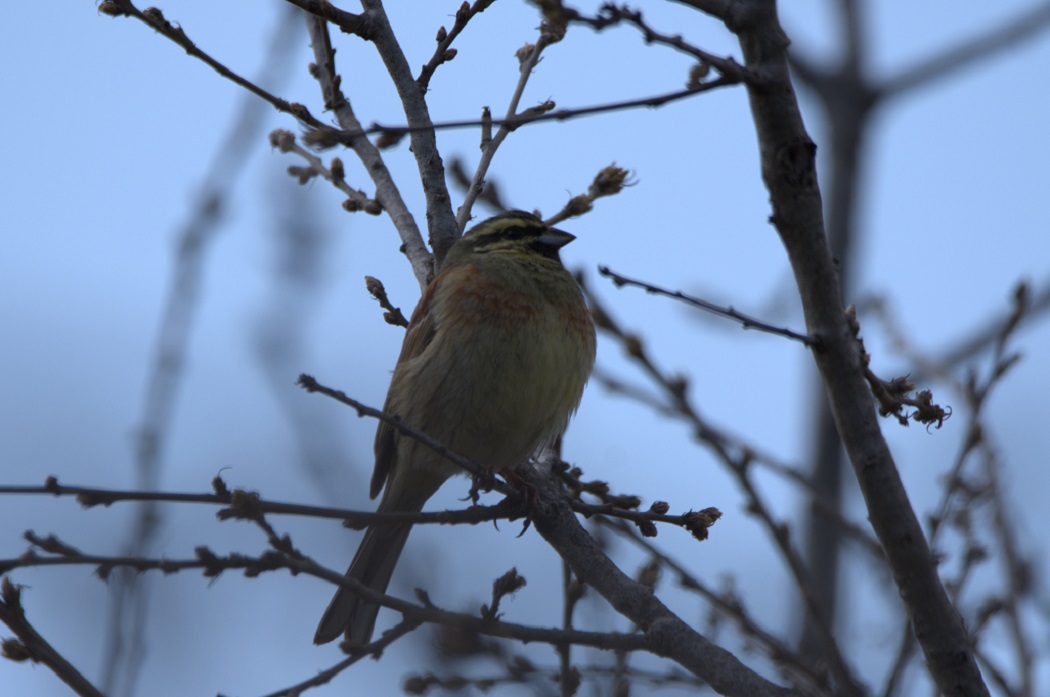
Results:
<point x="514" y="233"/>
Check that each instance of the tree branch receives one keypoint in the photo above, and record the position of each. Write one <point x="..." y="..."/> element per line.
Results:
<point x="359" y="25"/>
<point x="789" y="171"/>
<point x="489" y="146"/>
<point x="444" y="52"/>
<point x="746" y="321"/>
<point x="441" y="222"/>
<point x="387" y="192"/>
<point x="213" y="565"/>
<point x="155" y="19"/>
<point x="1025" y="26"/>
<point x="31" y="646"/>
<point x="667" y="634"/>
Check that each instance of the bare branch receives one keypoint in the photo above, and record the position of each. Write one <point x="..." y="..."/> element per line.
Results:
<point x="746" y="321"/>
<point x="477" y="183"/>
<point x="240" y="505"/>
<point x="521" y="671"/>
<point x="1025" y="26"/>
<point x="356" y="200"/>
<point x="478" y="470"/>
<point x="668" y="635"/>
<point x="213" y="565"/>
<point x="490" y="195"/>
<point x="33" y="647"/>
<point x="444" y="51"/>
<point x="155" y="19"/>
<point x="387" y="192"/>
<point x="789" y="171"/>
<point x="359" y="25"/>
<point x="611" y="15"/>
<point x="730" y="607"/>
<point x="440" y="219"/>
<point x="330" y="137"/>
<point x="609" y="181"/>
<point x="393" y="314"/>
<point x="958" y="496"/>
<point x="371" y="650"/>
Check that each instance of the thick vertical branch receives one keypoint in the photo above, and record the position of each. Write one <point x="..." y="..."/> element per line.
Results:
<point x="848" y="105"/>
<point x="789" y="171"/>
<point x="441" y="221"/>
<point x="387" y="192"/>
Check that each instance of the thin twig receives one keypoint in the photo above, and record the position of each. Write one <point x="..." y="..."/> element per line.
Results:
<point x="746" y="321"/>
<point x="738" y="464"/>
<point x="444" y="52"/>
<point x="155" y="19"/>
<point x="331" y="137"/>
<point x="610" y="15"/>
<point x="356" y="200"/>
<point x="477" y="183"/>
<point x="33" y="647"/>
<point x="670" y="636"/>
<point x="377" y="290"/>
<point x="522" y="672"/>
<point x="371" y="650"/>
<point x="241" y="504"/>
<point x="777" y="650"/>
<point x="479" y="470"/>
<point x="957" y="494"/>
<point x="571" y="592"/>
<point x="214" y="565"/>
<point x="735" y="447"/>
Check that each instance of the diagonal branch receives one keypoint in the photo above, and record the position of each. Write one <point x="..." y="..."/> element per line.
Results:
<point x="349" y="23"/>
<point x="441" y="221"/>
<point x="1023" y="27"/>
<point x="667" y="634"/>
<point x="490" y="145"/>
<point x="387" y="192"/>
<point x="788" y="659"/>
<point x="746" y="321"/>
<point x="32" y="646"/>
<point x="155" y="19"/>
<point x="371" y="650"/>
<point x="444" y="52"/>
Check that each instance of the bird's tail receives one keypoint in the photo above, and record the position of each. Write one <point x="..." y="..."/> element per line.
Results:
<point x="374" y="563"/>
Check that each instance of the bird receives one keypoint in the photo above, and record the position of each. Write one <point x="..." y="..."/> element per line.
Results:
<point x="493" y="366"/>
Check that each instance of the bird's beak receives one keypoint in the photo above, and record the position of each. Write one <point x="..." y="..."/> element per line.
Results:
<point x="556" y="238"/>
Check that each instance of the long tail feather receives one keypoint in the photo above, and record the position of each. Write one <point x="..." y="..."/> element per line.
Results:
<point x="373" y="565"/>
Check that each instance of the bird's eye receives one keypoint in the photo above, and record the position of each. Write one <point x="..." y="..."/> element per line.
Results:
<point x="514" y="233"/>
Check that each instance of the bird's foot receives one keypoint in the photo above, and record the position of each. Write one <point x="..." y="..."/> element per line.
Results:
<point x="481" y="483"/>
<point x="528" y="495"/>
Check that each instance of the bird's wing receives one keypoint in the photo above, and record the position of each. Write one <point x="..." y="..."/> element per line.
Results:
<point x="421" y="330"/>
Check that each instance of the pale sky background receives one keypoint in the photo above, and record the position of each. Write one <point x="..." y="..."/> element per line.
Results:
<point x="111" y="128"/>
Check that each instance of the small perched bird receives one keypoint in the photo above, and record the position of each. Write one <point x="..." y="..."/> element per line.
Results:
<point x="493" y="365"/>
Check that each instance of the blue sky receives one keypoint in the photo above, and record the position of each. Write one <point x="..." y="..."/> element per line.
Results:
<point x="111" y="128"/>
